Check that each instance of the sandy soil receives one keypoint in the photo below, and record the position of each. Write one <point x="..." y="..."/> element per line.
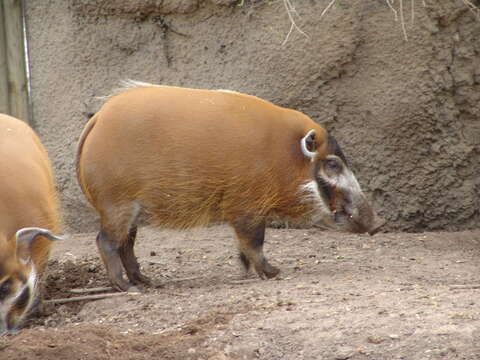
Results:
<point x="339" y="296"/>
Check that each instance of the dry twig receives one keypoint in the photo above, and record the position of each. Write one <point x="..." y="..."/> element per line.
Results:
<point x="463" y="287"/>
<point x="242" y="281"/>
<point x="471" y="6"/>
<point x="176" y="294"/>
<point x="402" y="20"/>
<point x="291" y="12"/>
<point x="390" y="5"/>
<point x="413" y="11"/>
<point x="474" y="9"/>
<point x="327" y="8"/>
<point x="90" y="290"/>
<point x="87" y="297"/>
<point x="187" y="278"/>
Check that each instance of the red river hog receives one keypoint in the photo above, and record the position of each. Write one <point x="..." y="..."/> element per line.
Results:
<point x="30" y="214"/>
<point x="187" y="157"/>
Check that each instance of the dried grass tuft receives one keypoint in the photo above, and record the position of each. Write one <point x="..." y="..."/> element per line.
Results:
<point x="398" y="14"/>
<point x="291" y="13"/>
<point x="473" y="8"/>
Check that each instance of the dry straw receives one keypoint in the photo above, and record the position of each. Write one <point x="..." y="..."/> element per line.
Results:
<point x="291" y="13"/>
<point x="398" y="14"/>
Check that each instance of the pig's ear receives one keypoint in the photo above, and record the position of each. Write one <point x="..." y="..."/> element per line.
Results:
<point x="25" y="239"/>
<point x="309" y="144"/>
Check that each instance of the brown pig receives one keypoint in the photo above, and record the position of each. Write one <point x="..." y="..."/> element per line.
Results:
<point x="29" y="215"/>
<point x="188" y="157"/>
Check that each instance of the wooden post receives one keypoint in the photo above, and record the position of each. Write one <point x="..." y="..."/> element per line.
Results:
<point x="17" y="82"/>
<point x="4" y="102"/>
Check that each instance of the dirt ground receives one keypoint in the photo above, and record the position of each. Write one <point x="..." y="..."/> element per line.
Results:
<point x="339" y="296"/>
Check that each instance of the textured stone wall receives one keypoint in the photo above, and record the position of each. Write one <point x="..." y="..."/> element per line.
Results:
<point x="407" y="113"/>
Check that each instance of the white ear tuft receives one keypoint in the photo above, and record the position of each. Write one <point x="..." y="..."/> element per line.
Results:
<point x="308" y="141"/>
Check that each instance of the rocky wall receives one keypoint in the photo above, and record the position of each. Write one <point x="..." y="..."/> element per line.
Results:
<point x="407" y="113"/>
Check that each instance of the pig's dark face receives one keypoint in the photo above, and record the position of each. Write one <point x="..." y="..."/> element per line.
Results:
<point x="347" y="205"/>
<point x="17" y="293"/>
<point x="18" y="277"/>
<point x="339" y="200"/>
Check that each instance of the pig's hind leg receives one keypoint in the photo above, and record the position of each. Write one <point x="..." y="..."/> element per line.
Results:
<point x="115" y="242"/>
<point x="129" y="259"/>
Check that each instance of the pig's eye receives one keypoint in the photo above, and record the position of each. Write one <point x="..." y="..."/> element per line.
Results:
<point x="333" y="165"/>
<point x="5" y="289"/>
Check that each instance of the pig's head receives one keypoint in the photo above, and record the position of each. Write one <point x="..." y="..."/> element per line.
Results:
<point x="18" y="276"/>
<point x="339" y="201"/>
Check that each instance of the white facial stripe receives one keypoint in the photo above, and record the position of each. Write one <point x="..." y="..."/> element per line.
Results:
<point x="345" y="181"/>
<point x="32" y="282"/>
<point x="7" y="305"/>
<point x="310" y="193"/>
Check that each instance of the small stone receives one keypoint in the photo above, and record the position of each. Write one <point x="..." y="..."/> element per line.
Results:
<point x="344" y="353"/>
<point x="375" y="339"/>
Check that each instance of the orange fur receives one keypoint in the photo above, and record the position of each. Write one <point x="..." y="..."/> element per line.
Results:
<point x="194" y="157"/>
<point x="187" y="158"/>
<point x="27" y="197"/>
